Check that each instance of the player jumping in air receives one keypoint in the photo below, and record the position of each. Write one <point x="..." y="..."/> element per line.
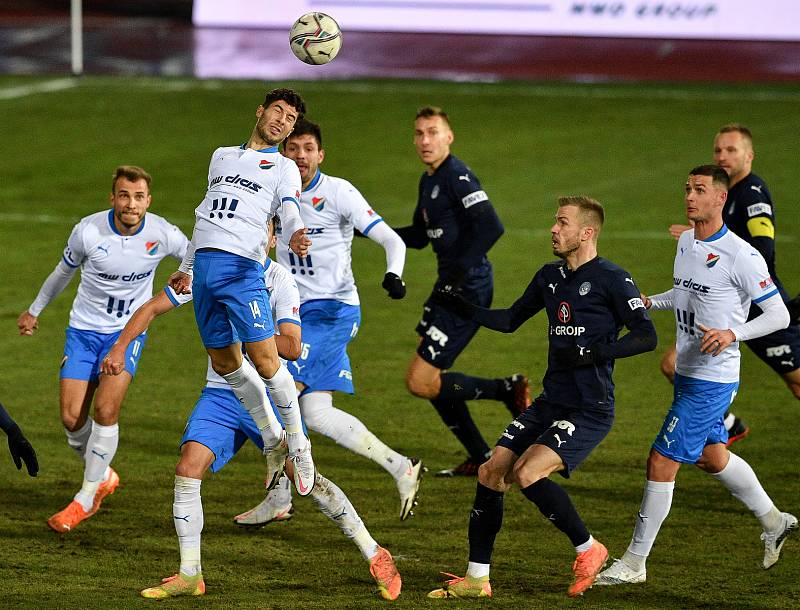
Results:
<point x="247" y="185"/>
<point x="330" y="309"/>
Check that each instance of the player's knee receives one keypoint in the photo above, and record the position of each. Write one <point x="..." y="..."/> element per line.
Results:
<point x="525" y="476"/>
<point x="71" y="422"/>
<point x="795" y="389"/>
<point x="422" y="388"/>
<point x="190" y="468"/>
<point x="267" y="365"/>
<point x="489" y="475"/>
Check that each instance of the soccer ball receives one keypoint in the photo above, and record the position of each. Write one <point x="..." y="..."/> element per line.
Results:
<point x="315" y="38"/>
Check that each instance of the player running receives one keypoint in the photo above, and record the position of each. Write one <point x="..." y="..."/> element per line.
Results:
<point x="455" y="216"/>
<point x="587" y="299"/>
<point x="332" y="208"/>
<point x="750" y="213"/>
<point x="216" y="430"/>
<point x="117" y="252"/>
<point x="717" y="276"/>
<point x="248" y="185"/>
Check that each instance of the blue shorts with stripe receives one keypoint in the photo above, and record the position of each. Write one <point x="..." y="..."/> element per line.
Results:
<point x="328" y="326"/>
<point x="230" y="299"/>
<point x="222" y="424"/>
<point x="84" y="351"/>
<point x="696" y="418"/>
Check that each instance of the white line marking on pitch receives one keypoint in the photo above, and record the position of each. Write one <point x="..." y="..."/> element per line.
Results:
<point x="10" y="93"/>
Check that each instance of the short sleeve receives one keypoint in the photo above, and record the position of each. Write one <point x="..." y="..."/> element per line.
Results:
<point x="356" y="209"/>
<point x="177" y="241"/>
<point x="751" y="275"/>
<point x="175" y="298"/>
<point x="75" y="253"/>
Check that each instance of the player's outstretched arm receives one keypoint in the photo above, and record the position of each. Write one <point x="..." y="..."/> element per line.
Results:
<point x="114" y="362"/>
<point x="395" y="249"/>
<point x="56" y="282"/>
<point x="21" y="450"/>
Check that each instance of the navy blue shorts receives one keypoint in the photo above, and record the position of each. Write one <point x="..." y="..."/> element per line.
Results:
<point x="571" y="432"/>
<point x="444" y="334"/>
<point x="780" y="350"/>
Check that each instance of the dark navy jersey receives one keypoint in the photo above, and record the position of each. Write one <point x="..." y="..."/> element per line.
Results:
<point x="750" y="213"/>
<point x="455" y="216"/>
<point x="586" y="307"/>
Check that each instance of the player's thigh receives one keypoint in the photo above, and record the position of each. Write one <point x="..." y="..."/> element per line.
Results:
<point x="538" y="462"/>
<point x="792" y="380"/>
<point x="75" y="397"/>
<point x="110" y="394"/>
<point x="423" y="378"/>
<point x="195" y="460"/>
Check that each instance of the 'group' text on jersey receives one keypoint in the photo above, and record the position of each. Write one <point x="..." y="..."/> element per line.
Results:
<point x="246" y="188"/>
<point x="330" y="208"/>
<point x="117" y="270"/>
<point x="714" y="282"/>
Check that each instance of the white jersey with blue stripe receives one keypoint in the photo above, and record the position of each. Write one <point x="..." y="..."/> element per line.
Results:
<point x="714" y="282"/>
<point x="284" y="301"/>
<point x="246" y="188"/>
<point x="330" y="208"/>
<point x="117" y="270"/>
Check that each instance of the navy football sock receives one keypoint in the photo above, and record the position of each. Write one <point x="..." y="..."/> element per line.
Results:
<point x="457" y="386"/>
<point x="555" y="504"/>
<point x="456" y="416"/>
<point x="485" y="521"/>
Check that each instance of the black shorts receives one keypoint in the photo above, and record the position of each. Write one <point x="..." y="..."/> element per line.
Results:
<point x="780" y="350"/>
<point x="444" y="334"/>
<point x="571" y="432"/>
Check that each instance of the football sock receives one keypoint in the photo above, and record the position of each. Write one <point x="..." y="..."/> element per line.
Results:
<point x="187" y="514"/>
<point x="555" y="504"/>
<point x="284" y="394"/>
<point x="335" y="505"/>
<point x="581" y="548"/>
<point x="477" y="570"/>
<point x="730" y="418"/>
<point x="457" y="386"/>
<point x="485" y="521"/>
<point x="739" y="479"/>
<point x="249" y="389"/>
<point x="348" y="431"/>
<point x="100" y="451"/>
<point x="79" y="438"/>
<point x="281" y="494"/>
<point x="456" y="416"/>
<point x="653" y="511"/>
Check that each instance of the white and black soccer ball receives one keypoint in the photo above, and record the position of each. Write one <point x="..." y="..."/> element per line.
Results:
<point x="315" y="38"/>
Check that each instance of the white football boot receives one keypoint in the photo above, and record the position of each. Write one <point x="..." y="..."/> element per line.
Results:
<point x="304" y="472"/>
<point x="408" y="486"/>
<point x="620" y="573"/>
<point x="773" y="541"/>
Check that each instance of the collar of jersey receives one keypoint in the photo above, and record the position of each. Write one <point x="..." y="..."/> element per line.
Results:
<point x="567" y="272"/>
<point x="271" y="149"/>
<point x="114" y="227"/>
<point x="718" y="234"/>
<point x="314" y="182"/>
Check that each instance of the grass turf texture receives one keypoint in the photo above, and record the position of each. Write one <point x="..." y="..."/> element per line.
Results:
<point x="630" y="147"/>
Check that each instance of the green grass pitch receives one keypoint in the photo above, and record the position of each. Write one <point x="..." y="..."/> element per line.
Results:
<point x="629" y="146"/>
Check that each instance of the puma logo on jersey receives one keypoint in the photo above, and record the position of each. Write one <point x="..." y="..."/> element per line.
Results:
<point x="553" y="287"/>
<point x="464" y="177"/>
<point x="627" y="279"/>
<point x="757" y="189"/>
